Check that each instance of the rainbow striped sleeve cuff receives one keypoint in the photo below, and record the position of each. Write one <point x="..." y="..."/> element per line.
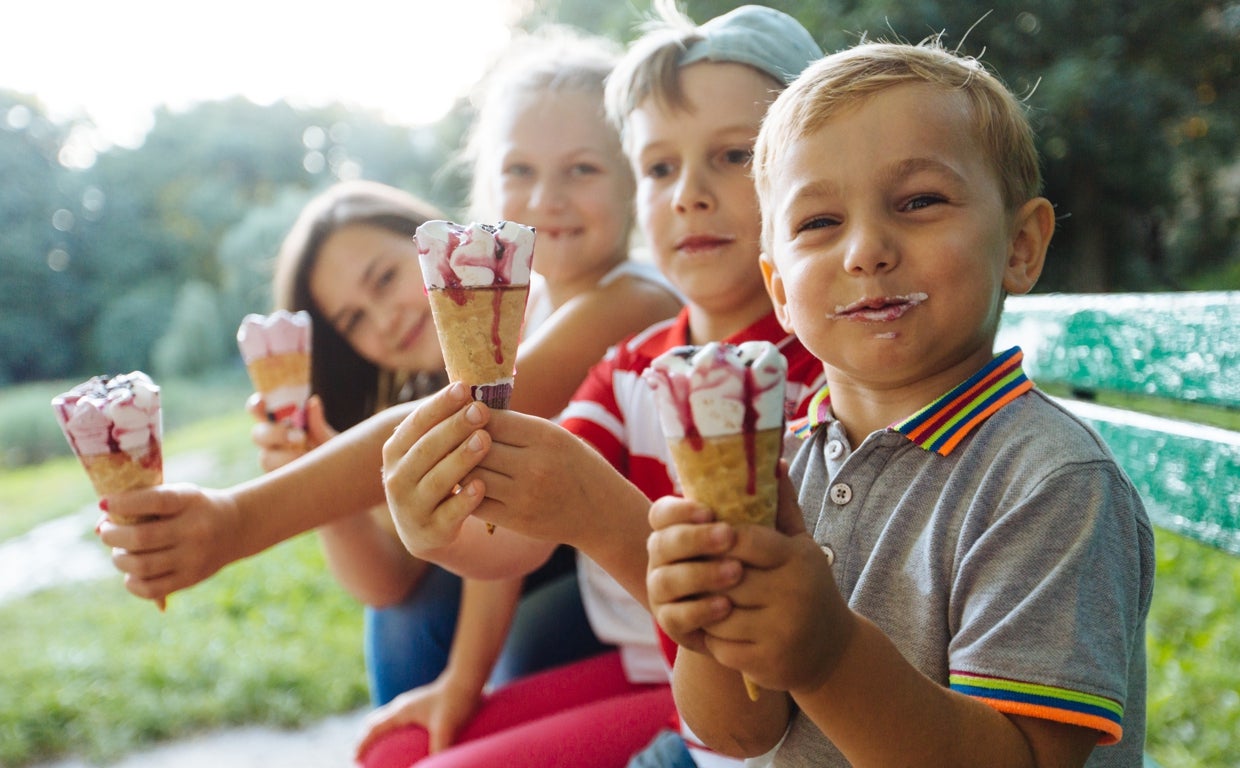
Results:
<point x="1046" y="702"/>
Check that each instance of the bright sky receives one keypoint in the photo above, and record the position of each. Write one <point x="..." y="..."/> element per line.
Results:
<point x="115" y="60"/>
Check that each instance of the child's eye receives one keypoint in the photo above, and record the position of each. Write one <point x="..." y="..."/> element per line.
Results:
<point x="385" y="278"/>
<point x="816" y="222"/>
<point x="349" y="324"/>
<point x="584" y="169"/>
<point x="519" y="170"/>
<point x="918" y="202"/>
<point x="658" y="170"/>
<point x="738" y="156"/>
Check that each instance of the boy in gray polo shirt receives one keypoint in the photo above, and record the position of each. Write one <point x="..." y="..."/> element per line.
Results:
<point x="974" y="582"/>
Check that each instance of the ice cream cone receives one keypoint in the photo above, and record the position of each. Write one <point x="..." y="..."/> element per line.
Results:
<point x="115" y="428"/>
<point x="722" y="411"/>
<point x="478" y="280"/>
<point x="276" y="351"/>
<point x="479" y="330"/>
<point x="734" y="475"/>
<point x="115" y="472"/>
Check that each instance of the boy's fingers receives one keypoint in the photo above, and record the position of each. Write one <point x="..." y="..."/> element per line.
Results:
<point x="159" y="501"/>
<point x="688" y="542"/>
<point x="685" y="580"/>
<point x="684" y="620"/>
<point x="789" y="519"/>
<point x="674" y="510"/>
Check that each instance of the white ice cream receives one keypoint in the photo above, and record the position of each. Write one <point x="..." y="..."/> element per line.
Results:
<point x="279" y="333"/>
<point x="719" y="389"/>
<point x="474" y="255"/>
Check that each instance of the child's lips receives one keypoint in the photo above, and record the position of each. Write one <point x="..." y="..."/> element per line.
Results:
<point x="693" y="243"/>
<point x="880" y="309"/>
<point x="555" y="233"/>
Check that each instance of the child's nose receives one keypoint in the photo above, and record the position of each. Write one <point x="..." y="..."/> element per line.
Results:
<point x="692" y="193"/>
<point x="869" y="250"/>
<point x="547" y="195"/>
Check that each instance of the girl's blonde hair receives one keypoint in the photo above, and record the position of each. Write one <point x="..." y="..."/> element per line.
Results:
<point x="555" y="59"/>
<point x="845" y="79"/>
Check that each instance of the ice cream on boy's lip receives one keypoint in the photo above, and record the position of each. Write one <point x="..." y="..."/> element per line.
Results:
<point x="477" y="279"/>
<point x="276" y="350"/>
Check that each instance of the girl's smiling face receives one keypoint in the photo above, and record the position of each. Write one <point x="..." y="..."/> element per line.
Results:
<point x="892" y="248"/>
<point x="561" y="170"/>
<point x="368" y="284"/>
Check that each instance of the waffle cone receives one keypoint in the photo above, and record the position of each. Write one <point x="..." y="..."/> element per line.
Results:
<point x="734" y="475"/>
<point x="479" y="330"/>
<point x="115" y="472"/>
<point x="270" y="373"/>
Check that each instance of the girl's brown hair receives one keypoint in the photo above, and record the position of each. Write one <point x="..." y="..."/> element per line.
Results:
<point x="352" y="388"/>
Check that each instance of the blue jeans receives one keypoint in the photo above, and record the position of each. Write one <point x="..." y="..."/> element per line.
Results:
<point x="407" y="645"/>
<point x="667" y="750"/>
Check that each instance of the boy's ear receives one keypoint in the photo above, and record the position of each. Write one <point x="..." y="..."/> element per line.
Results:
<point x="775" y="288"/>
<point x="1032" y="227"/>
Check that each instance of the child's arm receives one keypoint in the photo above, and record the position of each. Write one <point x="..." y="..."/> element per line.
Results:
<point x="789" y="629"/>
<point x="444" y="706"/>
<point x="362" y="550"/>
<point x="526" y="475"/>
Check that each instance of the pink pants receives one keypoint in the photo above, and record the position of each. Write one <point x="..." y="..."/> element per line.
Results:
<point x="582" y="715"/>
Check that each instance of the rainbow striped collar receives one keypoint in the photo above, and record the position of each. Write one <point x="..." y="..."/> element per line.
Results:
<point x="942" y="424"/>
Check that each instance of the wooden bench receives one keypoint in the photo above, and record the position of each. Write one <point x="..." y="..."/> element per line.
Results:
<point x="1114" y="358"/>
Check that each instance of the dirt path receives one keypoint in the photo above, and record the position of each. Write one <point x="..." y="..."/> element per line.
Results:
<point x="328" y="744"/>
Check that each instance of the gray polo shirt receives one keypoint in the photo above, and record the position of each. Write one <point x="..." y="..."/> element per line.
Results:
<point x="1016" y="564"/>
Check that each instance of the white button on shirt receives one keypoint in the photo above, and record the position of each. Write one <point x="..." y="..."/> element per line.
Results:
<point x="835" y="449"/>
<point x="841" y="494"/>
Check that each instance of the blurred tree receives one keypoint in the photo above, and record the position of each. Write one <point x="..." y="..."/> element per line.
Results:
<point x="95" y="259"/>
<point x="34" y="218"/>
<point x="192" y="343"/>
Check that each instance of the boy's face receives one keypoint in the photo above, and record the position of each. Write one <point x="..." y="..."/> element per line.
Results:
<point x="696" y="202"/>
<point x="891" y="243"/>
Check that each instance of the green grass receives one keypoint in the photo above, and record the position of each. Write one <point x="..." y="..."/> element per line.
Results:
<point x="1193" y="646"/>
<point x="90" y="670"/>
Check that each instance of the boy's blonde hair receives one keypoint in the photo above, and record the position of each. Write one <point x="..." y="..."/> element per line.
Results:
<point x="770" y="41"/>
<point x="555" y="59"/>
<point x="651" y="67"/>
<point x="847" y="78"/>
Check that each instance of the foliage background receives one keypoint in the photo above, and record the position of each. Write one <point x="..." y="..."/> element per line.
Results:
<point x="147" y="258"/>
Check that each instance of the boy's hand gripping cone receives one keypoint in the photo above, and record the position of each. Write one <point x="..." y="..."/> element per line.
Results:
<point x="722" y="411"/>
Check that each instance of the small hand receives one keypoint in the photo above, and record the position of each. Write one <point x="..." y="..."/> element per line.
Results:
<point x="687" y="570"/>
<point x="789" y="623"/>
<point x="280" y="443"/>
<point x="187" y="534"/>
<point x="440" y="707"/>
<point x="425" y="462"/>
